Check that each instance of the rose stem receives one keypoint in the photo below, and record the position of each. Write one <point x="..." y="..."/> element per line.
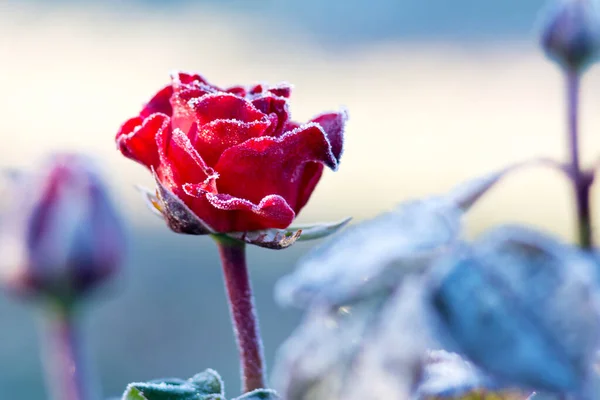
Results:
<point x="582" y="181"/>
<point x="63" y="361"/>
<point x="243" y="312"/>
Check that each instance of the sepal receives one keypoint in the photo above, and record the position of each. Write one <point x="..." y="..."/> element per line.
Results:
<point x="177" y="215"/>
<point x="278" y="239"/>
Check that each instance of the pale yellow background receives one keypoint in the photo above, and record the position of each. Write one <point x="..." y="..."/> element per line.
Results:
<point x="422" y="115"/>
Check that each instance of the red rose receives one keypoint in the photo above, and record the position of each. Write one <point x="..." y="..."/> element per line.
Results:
<point x="233" y="156"/>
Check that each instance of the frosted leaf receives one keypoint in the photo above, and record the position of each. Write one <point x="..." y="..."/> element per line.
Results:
<point x="208" y="382"/>
<point x="206" y="385"/>
<point x="159" y="391"/>
<point x="465" y="195"/>
<point x="522" y="306"/>
<point x="448" y="376"/>
<point x="368" y="350"/>
<point x="373" y="255"/>
<point x="259" y="394"/>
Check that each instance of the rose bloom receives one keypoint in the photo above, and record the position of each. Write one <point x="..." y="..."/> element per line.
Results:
<point x="233" y="156"/>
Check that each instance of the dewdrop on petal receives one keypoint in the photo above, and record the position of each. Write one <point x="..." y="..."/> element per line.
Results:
<point x="571" y="33"/>
<point x="60" y="236"/>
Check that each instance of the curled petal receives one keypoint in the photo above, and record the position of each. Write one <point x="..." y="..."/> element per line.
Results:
<point x="279" y="162"/>
<point x="282" y="89"/>
<point x="185" y="144"/>
<point x="272" y="211"/>
<point x="333" y="125"/>
<point x="256" y="89"/>
<point x="137" y="138"/>
<point x="271" y="104"/>
<point x="185" y="94"/>
<point x="237" y="90"/>
<point x="179" y="78"/>
<point x="179" y="161"/>
<point x="215" y="137"/>
<point x="160" y="103"/>
<point x="224" y="106"/>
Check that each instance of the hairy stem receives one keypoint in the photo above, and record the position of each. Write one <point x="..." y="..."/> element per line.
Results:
<point x="64" y="368"/>
<point x="582" y="181"/>
<point x="243" y="313"/>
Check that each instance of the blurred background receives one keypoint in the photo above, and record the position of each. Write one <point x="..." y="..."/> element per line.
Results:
<point x="438" y="92"/>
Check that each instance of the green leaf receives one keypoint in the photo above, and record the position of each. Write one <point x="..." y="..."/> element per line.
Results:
<point x="208" y="382"/>
<point x="160" y="391"/>
<point x="259" y="394"/>
<point x="206" y="385"/>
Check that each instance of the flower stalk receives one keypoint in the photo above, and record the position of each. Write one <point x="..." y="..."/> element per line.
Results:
<point x="65" y="371"/>
<point x="582" y="180"/>
<point x="243" y="312"/>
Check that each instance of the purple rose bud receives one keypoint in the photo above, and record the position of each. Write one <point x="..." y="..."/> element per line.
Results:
<point x="571" y="34"/>
<point x="61" y="235"/>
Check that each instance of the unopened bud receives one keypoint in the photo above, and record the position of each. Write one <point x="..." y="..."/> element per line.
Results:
<point x="60" y="236"/>
<point x="571" y="34"/>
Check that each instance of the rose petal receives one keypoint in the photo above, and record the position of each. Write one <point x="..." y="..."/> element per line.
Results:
<point x="137" y="139"/>
<point x="187" y="93"/>
<point x="282" y="89"/>
<point x="184" y="117"/>
<point x="183" y="78"/>
<point x="215" y="137"/>
<point x="256" y="89"/>
<point x="160" y="103"/>
<point x="269" y="165"/>
<point x="224" y="106"/>
<point x="271" y="104"/>
<point x="310" y="177"/>
<point x="271" y="212"/>
<point x="333" y="125"/>
<point x="179" y="162"/>
<point x="239" y="91"/>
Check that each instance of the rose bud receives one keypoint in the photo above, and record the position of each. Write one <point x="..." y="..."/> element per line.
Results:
<point x="230" y="160"/>
<point x="60" y="236"/>
<point x="571" y="35"/>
